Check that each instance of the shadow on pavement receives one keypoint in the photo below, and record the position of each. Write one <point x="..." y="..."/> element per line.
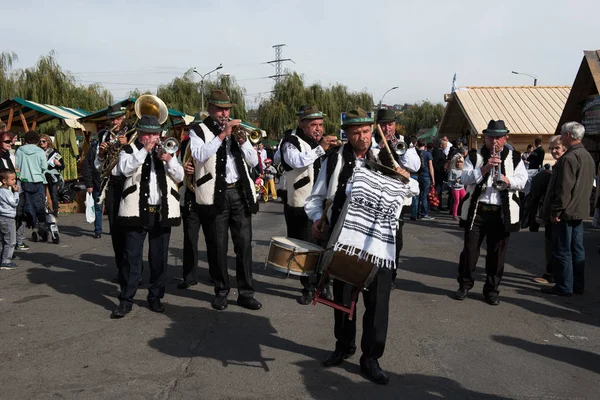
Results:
<point x="324" y="384"/>
<point x="87" y="278"/>
<point x="578" y="358"/>
<point x="231" y="337"/>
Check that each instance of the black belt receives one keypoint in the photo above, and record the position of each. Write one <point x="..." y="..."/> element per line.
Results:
<point x="154" y="209"/>
<point x="489" y="207"/>
<point x="232" y="185"/>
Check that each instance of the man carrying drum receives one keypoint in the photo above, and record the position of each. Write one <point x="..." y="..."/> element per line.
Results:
<point x="334" y="181"/>
<point x="302" y="153"/>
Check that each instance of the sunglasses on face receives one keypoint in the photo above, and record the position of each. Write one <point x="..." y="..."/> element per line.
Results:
<point x="7" y="141"/>
<point x="42" y="141"/>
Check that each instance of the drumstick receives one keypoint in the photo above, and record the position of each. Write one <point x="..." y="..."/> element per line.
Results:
<point x="328" y="204"/>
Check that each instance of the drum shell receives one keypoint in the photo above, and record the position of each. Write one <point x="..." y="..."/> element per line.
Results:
<point x="299" y="261"/>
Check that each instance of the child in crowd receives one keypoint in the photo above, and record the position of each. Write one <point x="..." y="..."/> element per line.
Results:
<point x="9" y="199"/>
<point x="458" y="189"/>
<point x="270" y="173"/>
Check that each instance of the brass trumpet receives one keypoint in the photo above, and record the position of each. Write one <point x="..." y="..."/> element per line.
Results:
<point x="243" y="131"/>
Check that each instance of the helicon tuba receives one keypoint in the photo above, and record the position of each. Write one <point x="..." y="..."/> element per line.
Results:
<point x="146" y="104"/>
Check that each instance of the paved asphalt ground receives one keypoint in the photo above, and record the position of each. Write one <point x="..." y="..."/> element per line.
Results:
<point x="57" y="341"/>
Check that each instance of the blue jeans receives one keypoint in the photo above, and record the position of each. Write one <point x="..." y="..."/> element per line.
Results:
<point x="98" y="209"/>
<point x="568" y="257"/>
<point x="424" y="186"/>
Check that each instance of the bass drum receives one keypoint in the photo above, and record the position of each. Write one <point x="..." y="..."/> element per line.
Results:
<point x="293" y="256"/>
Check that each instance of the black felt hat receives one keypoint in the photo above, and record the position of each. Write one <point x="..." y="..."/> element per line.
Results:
<point x="496" y="129"/>
<point x="385" y="115"/>
<point x="311" y="112"/>
<point x="220" y="99"/>
<point x="357" y="117"/>
<point x="149" y="124"/>
<point x="301" y="110"/>
<point x="115" y="111"/>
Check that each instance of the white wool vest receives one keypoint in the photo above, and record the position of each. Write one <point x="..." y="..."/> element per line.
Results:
<point x="130" y="205"/>
<point x="513" y="205"/>
<point x="300" y="181"/>
<point x="205" y="174"/>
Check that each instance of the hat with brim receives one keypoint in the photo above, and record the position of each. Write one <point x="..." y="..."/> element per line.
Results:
<point x="311" y="112"/>
<point x="357" y="117"/>
<point x="496" y="129"/>
<point x="149" y="124"/>
<point x="116" y="111"/>
<point x="300" y="110"/>
<point x="385" y="115"/>
<point x="220" y="99"/>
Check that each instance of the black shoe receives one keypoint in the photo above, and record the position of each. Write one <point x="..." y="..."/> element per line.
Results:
<point x="219" y="303"/>
<point x="249" y="302"/>
<point x="492" y="300"/>
<point x="305" y="299"/>
<point x="461" y="294"/>
<point x="577" y="291"/>
<point x="97" y="235"/>
<point x="186" y="284"/>
<point x="337" y="357"/>
<point x="156" y="306"/>
<point x="115" y="279"/>
<point x="372" y="371"/>
<point x="121" y="311"/>
<point x="555" y="292"/>
<point x="326" y="293"/>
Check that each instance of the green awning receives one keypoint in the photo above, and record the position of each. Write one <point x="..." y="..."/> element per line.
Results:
<point x="430" y="134"/>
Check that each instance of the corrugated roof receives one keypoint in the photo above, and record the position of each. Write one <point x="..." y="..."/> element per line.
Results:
<point x="525" y="109"/>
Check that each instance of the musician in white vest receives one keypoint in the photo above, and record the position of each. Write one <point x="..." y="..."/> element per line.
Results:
<point x="333" y="182"/>
<point x="410" y="161"/>
<point x="302" y="154"/>
<point x="226" y="192"/>
<point x="493" y="177"/>
<point x="149" y="207"/>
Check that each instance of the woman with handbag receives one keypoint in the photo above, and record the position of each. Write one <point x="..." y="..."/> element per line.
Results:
<point x="55" y="165"/>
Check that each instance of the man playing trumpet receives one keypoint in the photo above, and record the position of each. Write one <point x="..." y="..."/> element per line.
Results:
<point x="226" y="195"/>
<point x="149" y="207"/>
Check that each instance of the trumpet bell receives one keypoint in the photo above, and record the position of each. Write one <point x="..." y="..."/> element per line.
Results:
<point x="170" y="145"/>
<point x="148" y="104"/>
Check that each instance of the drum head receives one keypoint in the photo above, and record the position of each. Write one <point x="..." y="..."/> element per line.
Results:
<point x="295" y="244"/>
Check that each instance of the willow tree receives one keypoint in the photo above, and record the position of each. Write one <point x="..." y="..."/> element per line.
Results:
<point x="423" y="115"/>
<point x="48" y="83"/>
<point x="279" y="112"/>
<point x="184" y="94"/>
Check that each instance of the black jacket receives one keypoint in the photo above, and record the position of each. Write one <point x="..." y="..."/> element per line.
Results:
<point x="536" y="158"/>
<point x="91" y="176"/>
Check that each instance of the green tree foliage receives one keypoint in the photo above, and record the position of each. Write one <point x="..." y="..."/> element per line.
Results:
<point x="279" y="112"/>
<point x="48" y="83"/>
<point x="417" y="116"/>
<point x="183" y="94"/>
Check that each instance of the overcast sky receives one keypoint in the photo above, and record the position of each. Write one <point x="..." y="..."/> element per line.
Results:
<point x="367" y="45"/>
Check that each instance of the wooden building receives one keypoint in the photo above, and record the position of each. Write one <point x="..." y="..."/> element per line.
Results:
<point x="529" y="112"/>
<point x="583" y="104"/>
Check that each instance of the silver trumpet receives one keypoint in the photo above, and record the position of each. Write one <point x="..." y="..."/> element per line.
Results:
<point x="169" y="145"/>
<point x="498" y="183"/>
<point x="400" y="148"/>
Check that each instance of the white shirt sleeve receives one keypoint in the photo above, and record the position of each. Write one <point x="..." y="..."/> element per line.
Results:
<point x="97" y="161"/>
<point x="413" y="185"/>
<point x="313" y="205"/>
<point x="129" y="163"/>
<point x="520" y="177"/>
<point x="250" y="154"/>
<point x="470" y="175"/>
<point x="203" y="151"/>
<point x="174" y="169"/>
<point x="411" y="160"/>
<point x="277" y="156"/>
<point x="297" y="159"/>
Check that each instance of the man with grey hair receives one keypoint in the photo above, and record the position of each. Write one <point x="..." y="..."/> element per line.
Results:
<point x="567" y="201"/>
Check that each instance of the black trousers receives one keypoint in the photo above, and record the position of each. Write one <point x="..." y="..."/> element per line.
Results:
<point x="399" y="240"/>
<point x="234" y="217"/>
<point x="193" y="219"/>
<point x="112" y="201"/>
<point x="299" y="226"/>
<point x="158" y="252"/>
<point x="375" y="320"/>
<point x="487" y="225"/>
